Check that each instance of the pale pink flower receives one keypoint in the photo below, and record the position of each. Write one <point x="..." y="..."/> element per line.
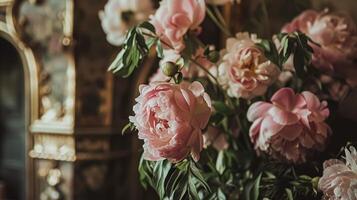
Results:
<point x="190" y="71"/>
<point x="245" y="71"/>
<point x="175" y="18"/>
<point x="215" y="137"/>
<point x="301" y="22"/>
<point x="290" y="126"/>
<point x="170" y="119"/>
<point x="337" y="37"/>
<point x="339" y="180"/>
<point x="119" y="15"/>
<point x="337" y="90"/>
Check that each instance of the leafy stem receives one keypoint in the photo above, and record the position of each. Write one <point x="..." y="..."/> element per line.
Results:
<point x="218" y="22"/>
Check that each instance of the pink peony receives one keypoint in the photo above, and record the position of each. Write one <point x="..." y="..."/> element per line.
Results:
<point x="339" y="180"/>
<point x="289" y="126"/>
<point x="244" y="71"/>
<point x="170" y="119"/>
<point x="337" y="36"/>
<point x="337" y="89"/>
<point x="175" y="18"/>
<point x="187" y="71"/>
<point x="119" y="15"/>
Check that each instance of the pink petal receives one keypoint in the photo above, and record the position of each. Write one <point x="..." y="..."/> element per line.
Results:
<point x="196" y="143"/>
<point x="181" y="102"/>
<point x="150" y="154"/>
<point x="180" y="20"/>
<point x="269" y="127"/>
<point x="199" y="13"/>
<point x="312" y="102"/>
<point x="283" y="117"/>
<point x="291" y="132"/>
<point x="284" y="97"/>
<point x="307" y="141"/>
<point x="255" y="129"/>
<point x="258" y="109"/>
<point x="197" y="88"/>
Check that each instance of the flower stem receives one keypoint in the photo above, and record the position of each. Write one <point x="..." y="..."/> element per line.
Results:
<point x="218" y="23"/>
<point x="219" y="15"/>
<point x="204" y="69"/>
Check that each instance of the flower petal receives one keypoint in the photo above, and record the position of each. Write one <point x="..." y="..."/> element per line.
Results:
<point x="258" y="109"/>
<point x="285" y="98"/>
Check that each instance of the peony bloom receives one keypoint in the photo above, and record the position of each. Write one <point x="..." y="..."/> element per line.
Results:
<point x="119" y="15"/>
<point x="244" y="71"/>
<point x="339" y="180"/>
<point x="170" y="119"/>
<point x="337" y="90"/>
<point x="175" y="18"/>
<point x="188" y="71"/>
<point x="222" y="2"/>
<point x="337" y="36"/>
<point x="216" y="138"/>
<point x="290" y="126"/>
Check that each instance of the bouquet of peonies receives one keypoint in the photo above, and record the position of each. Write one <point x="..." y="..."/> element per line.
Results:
<point x="246" y="122"/>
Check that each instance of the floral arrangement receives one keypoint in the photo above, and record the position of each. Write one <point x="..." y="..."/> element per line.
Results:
<point x="247" y="121"/>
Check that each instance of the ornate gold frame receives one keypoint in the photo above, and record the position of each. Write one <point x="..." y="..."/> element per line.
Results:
<point x="9" y="33"/>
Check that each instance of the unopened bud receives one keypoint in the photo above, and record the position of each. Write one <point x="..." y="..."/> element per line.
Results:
<point x="213" y="56"/>
<point x="169" y="68"/>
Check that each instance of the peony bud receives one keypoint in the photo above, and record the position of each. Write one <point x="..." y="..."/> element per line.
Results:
<point x="213" y="56"/>
<point x="169" y="68"/>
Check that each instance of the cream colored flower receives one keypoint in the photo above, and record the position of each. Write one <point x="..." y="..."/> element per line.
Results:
<point x="339" y="180"/>
<point x="119" y="15"/>
<point x="245" y="71"/>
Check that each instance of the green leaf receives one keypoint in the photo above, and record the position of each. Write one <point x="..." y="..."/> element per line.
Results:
<point x="129" y="126"/>
<point x="117" y="63"/>
<point x="192" y="187"/>
<point x="289" y="194"/>
<point x="270" y="175"/>
<point x="150" y="42"/>
<point x="142" y="44"/>
<point x="145" y="172"/>
<point x="255" y="191"/>
<point x="173" y="181"/>
<point x="265" y="45"/>
<point x="161" y="170"/>
<point x="221" y="107"/>
<point x="196" y="173"/>
<point x="220" y="164"/>
<point x="299" y="63"/>
<point x="147" y="25"/>
<point x="132" y="53"/>
<point x="305" y="177"/>
<point x="183" y="190"/>
<point x="270" y="51"/>
<point x="251" y="190"/>
<point x="220" y="194"/>
<point x="159" y="49"/>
